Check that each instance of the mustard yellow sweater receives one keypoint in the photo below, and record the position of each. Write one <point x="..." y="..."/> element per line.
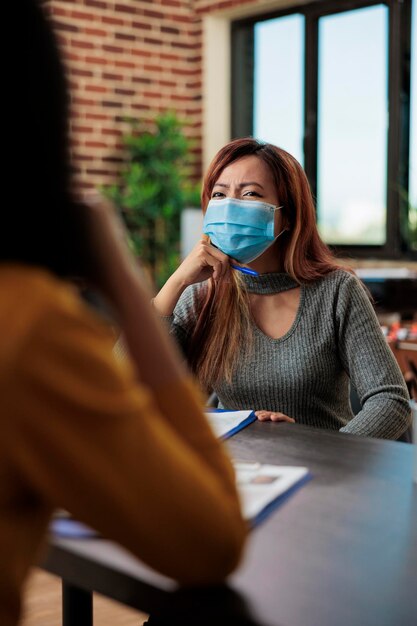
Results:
<point x="79" y="432"/>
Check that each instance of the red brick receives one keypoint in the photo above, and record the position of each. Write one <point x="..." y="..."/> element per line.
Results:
<point x="96" y="88"/>
<point x="111" y="131"/>
<point x="181" y="72"/>
<point x="125" y="37"/>
<point x="152" y="41"/>
<point x="169" y="29"/>
<point x="153" y="94"/>
<point x="152" y="68"/>
<point x="141" y="53"/>
<point x="156" y="14"/>
<point x="79" y="15"/>
<point x="124" y="9"/>
<point x="112" y="159"/>
<point x="95" y="32"/>
<point x="82" y="157"/>
<point x="107" y="76"/>
<point x="82" y="129"/>
<point x="72" y="57"/>
<point x="83" y="101"/>
<point x="181" y="18"/>
<point x="77" y="72"/>
<point x="97" y="116"/>
<point x="169" y="57"/>
<point x="66" y="27"/>
<point x="109" y="103"/>
<point x="96" y="60"/>
<point x="180" y="98"/>
<point x="96" y="3"/>
<point x="140" y="79"/>
<point x="142" y="25"/>
<point x="125" y="92"/>
<point x="114" y="49"/>
<point x="99" y="172"/>
<point x="82" y="44"/>
<point x="60" y="12"/>
<point x="112" y="20"/>
<point x="140" y="107"/>
<point x="95" y="144"/>
<point x="125" y="64"/>
<point x="180" y="44"/>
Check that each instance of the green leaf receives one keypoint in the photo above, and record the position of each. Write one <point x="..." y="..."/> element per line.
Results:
<point x="153" y="189"/>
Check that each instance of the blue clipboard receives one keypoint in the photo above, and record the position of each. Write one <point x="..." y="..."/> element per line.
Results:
<point x="248" y="420"/>
<point x="66" y="527"/>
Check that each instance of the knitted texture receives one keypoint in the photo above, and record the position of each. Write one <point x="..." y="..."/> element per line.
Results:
<point x="334" y="340"/>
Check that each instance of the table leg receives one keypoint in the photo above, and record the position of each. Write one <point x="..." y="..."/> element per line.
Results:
<point x="77" y="606"/>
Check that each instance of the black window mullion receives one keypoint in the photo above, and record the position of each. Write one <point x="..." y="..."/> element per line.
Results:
<point x="243" y="67"/>
<point x="310" y="100"/>
<point x="404" y="71"/>
<point x="394" y="131"/>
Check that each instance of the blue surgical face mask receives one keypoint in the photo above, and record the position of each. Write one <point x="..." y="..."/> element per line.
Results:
<point x="242" y="229"/>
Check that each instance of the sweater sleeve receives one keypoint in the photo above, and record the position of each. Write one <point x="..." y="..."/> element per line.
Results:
<point x="143" y="469"/>
<point x="181" y="323"/>
<point x="372" y="367"/>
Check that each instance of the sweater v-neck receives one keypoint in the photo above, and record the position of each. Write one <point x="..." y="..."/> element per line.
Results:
<point x="269" y="284"/>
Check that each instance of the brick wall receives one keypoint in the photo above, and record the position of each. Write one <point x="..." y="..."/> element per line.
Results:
<point x="130" y="58"/>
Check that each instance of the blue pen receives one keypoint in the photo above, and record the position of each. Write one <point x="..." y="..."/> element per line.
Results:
<point x="244" y="270"/>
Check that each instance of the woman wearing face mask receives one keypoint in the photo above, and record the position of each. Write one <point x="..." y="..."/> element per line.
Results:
<point x="266" y="316"/>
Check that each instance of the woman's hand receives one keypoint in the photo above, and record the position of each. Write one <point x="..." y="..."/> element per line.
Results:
<point x="273" y="416"/>
<point x="204" y="261"/>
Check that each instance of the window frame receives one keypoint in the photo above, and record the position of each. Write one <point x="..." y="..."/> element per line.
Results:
<point x="398" y="139"/>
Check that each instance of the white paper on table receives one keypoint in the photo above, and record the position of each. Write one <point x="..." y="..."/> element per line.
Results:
<point x="227" y="423"/>
<point x="259" y="486"/>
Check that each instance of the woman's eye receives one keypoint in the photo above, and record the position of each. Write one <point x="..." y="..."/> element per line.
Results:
<point x="252" y="194"/>
<point x="217" y="194"/>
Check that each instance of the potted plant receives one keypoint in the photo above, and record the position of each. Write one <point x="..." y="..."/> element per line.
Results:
<point x="152" y="191"/>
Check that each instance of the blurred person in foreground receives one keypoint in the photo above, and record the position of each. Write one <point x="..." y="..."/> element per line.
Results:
<point x="123" y="446"/>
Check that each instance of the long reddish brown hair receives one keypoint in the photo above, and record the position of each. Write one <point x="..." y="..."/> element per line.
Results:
<point x="224" y="320"/>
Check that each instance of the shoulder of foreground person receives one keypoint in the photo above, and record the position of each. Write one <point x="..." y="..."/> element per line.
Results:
<point x="83" y="433"/>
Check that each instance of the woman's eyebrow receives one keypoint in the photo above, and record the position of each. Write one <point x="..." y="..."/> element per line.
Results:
<point x="245" y="184"/>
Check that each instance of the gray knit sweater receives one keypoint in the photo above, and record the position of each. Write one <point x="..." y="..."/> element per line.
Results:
<point x="305" y="374"/>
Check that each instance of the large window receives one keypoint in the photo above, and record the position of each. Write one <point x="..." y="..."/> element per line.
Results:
<point x="279" y="86"/>
<point x="332" y="83"/>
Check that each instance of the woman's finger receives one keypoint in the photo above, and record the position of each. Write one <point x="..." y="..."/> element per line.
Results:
<point x="281" y="417"/>
<point x="273" y="416"/>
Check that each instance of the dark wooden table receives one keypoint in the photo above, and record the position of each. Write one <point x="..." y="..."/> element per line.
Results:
<point x="341" y="551"/>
